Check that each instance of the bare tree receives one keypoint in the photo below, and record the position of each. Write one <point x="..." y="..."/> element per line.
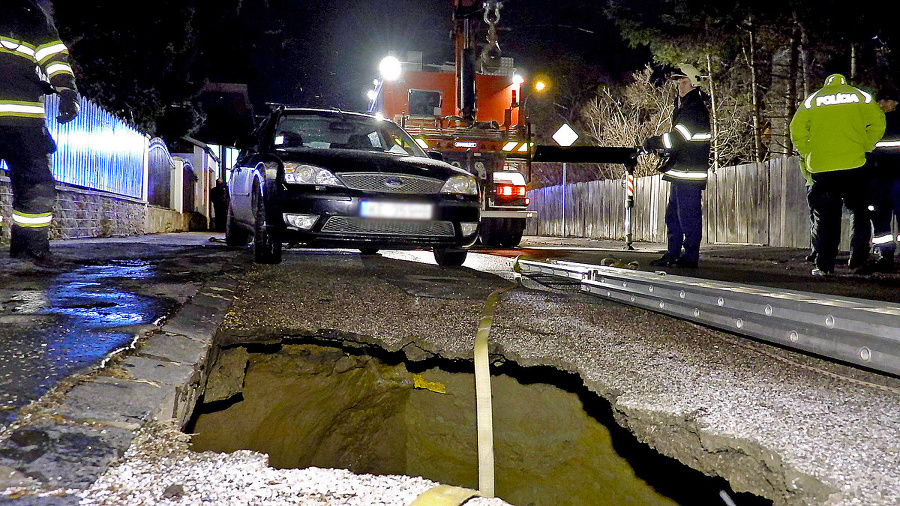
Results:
<point x="626" y="117"/>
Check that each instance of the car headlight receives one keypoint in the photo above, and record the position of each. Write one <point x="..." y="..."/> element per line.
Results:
<point x="463" y="185"/>
<point x="309" y="174"/>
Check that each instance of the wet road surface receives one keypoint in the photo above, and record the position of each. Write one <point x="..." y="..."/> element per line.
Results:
<point x="56" y="324"/>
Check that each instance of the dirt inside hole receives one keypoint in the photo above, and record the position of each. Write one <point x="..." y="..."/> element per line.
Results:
<point x="555" y="442"/>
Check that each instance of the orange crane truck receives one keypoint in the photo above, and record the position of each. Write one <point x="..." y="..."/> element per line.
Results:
<point x="470" y="114"/>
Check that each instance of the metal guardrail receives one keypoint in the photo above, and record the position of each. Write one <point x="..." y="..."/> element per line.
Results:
<point x="857" y="331"/>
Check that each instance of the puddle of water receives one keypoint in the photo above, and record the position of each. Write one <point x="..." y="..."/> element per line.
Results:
<point x="306" y="405"/>
<point x="65" y="324"/>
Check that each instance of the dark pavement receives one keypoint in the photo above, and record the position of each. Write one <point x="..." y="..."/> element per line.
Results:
<point x="55" y="326"/>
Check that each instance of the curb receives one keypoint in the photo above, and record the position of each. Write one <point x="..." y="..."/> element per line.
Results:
<point x="67" y="439"/>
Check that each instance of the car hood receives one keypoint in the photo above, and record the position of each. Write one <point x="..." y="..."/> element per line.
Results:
<point x="345" y="160"/>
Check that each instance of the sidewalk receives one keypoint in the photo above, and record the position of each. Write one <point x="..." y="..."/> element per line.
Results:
<point x="74" y="389"/>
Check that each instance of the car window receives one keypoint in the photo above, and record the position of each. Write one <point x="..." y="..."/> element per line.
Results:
<point x="326" y="131"/>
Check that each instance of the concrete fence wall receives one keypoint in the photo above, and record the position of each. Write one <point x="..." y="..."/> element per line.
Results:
<point x="759" y="203"/>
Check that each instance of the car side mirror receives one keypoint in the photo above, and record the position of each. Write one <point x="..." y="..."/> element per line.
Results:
<point x="436" y="155"/>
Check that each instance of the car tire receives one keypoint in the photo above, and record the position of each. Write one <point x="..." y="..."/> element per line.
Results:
<point x="450" y="257"/>
<point x="266" y="244"/>
<point x="368" y="251"/>
<point x="234" y="234"/>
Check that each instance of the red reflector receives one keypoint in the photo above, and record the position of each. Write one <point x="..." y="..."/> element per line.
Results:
<point x="506" y="191"/>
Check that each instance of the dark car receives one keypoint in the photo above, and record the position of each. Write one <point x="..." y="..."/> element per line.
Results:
<point x="340" y="179"/>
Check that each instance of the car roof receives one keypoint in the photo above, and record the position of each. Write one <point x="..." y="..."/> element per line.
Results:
<point x="315" y="110"/>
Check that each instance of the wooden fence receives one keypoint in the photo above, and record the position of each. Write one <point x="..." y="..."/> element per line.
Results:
<point x="758" y="203"/>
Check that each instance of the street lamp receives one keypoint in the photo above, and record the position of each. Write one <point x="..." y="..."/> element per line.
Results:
<point x="390" y="69"/>
<point x="539" y="86"/>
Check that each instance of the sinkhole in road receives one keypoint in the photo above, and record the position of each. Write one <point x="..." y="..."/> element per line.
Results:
<point x="370" y="411"/>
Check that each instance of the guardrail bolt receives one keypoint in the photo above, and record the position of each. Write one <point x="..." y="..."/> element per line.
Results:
<point x="865" y="354"/>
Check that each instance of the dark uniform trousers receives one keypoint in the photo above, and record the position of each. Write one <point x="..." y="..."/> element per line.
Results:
<point x="829" y="193"/>
<point x="26" y="150"/>
<point x="684" y="221"/>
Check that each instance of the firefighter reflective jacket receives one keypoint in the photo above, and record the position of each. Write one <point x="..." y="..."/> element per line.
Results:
<point x="836" y="126"/>
<point x="687" y="145"/>
<point x="33" y="61"/>
<point x="887" y="150"/>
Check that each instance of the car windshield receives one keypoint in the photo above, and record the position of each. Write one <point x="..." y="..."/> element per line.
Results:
<point x="343" y="131"/>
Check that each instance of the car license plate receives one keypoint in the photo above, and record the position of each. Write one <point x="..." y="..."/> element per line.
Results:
<point x="395" y="210"/>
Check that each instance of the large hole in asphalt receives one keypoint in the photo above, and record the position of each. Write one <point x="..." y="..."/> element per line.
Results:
<point x="369" y="411"/>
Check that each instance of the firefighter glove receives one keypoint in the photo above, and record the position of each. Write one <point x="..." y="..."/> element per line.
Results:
<point x="68" y="105"/>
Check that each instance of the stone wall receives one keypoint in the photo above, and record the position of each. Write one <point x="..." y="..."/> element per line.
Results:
<point x="80" y="212"/>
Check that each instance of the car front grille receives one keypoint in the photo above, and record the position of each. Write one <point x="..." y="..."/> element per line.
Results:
<point x="351" y="225"/>
<point x="391" y="183"/>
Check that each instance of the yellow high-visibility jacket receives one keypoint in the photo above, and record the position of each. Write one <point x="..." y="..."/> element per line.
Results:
<point x="836" y="126"/>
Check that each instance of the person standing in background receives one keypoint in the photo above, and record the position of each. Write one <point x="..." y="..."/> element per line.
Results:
<point x="833" y="130"/>
<point x="686" y="167"/>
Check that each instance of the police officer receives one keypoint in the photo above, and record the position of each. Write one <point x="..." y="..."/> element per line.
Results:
<point x="833" y="130"/>
<point x="686" y="150"/>
<point x="33" y="63"/>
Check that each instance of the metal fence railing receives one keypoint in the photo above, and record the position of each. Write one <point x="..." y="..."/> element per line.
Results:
<point x="97" y="150"/>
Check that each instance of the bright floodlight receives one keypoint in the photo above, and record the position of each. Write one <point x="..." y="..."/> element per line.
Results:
<point x="389" y="68"/>
<point x="372" y="94"/>
<point x="540" y="85"/>
<point x="517" y="79"/>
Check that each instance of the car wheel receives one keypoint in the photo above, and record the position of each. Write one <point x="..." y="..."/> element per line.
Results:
<point x="234" y="234"/>
<point x="368" y="251"/>
<point x="266" y="245"/>
<point x="447" y="257"/>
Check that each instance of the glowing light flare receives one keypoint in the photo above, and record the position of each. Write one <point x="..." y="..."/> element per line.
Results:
<point x="390" y="68"/>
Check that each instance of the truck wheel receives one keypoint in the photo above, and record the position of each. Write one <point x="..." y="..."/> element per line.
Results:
<point x="502" y="232"/>
<point x="234" y="234"/>
<point x="448" y="257"/>
<point x="490" y="231"/>
<point x="512" y="233"/>
<point x="266" y="244"/>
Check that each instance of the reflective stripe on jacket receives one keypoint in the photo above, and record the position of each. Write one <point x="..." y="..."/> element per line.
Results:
<point x="836" y="126"/>
<point x="687" y="145"/>
<point x="33" y="61"/>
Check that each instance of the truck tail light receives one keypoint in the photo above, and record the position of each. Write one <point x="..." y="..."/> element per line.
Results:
<point x="511" y="191"/>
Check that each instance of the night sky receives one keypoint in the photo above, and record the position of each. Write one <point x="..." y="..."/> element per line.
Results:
<point x="341" y="44"/>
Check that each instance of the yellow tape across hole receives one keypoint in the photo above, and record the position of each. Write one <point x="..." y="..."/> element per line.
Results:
<point x="444" y="495"/>
<point x="483" y="407"/>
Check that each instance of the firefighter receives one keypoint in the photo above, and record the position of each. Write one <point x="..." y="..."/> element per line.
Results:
<point x="833" y="130"/>
<point x="686" y="166"/>
<point x="885" y="189"/>
<point x="33" y="63"/>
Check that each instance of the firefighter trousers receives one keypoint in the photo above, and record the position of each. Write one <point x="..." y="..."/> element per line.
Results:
<point x="882" y="213"/>
<point x="26" y="150"/>
<point x="829" y="193"/>
<point x="684" y="221"/>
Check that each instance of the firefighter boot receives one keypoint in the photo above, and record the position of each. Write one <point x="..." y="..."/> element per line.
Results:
<point x="33" y="245"/>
